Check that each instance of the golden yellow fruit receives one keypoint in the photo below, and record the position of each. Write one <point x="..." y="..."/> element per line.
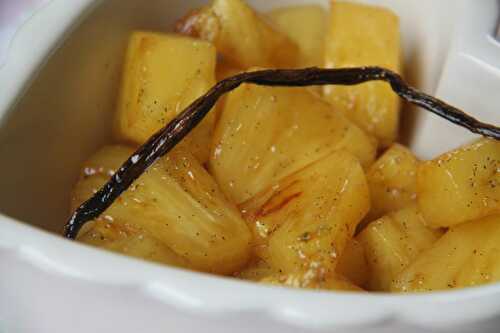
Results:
<point x="225" y="70"/>
<point x="392" y="243"/>
<point x="467" y="255"/>
<point x="179" y="204"/>
<point x="308" y="218"/>
<point x="362" y="35"/>
<point x="306" y="26"/>
<point x="241" y="35"/>
<point x="393" y="181"/>
<point x="162" y="75"/>
<point x="303" y="281"/>
<point x="461" y="185"/>
<point x="353" y="265"/>
<point x="130" y="240"/>
<point x="256" y="271"/>
<point x="265" y="134"/>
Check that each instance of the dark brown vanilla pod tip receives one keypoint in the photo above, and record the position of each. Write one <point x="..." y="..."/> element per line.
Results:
<point x="166" y="139"/>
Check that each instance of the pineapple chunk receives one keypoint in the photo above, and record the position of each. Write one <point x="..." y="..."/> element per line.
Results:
<point x="467" y="255"/>
<point x="129" y="240"/>
<point x="308" y="217"/>
<point x="306" y="26"/>
<point x="304" y="281"/>
<point x="392" y="242"/>
<point x="256" y="271"/>
<point x="265" y="134"/>
<point x="393" y="181"/>
<point x="361" y="35"/>
<point x="163" y="74"/>
<point x="353" y="265"/>
<point x="461" y="185"/>
<point x="225" y="70"/>
<point x="178" y="203"/>
<point x="241" y="35"/>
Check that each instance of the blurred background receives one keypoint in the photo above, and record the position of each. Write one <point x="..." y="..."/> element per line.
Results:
<point x="12" y="14"/>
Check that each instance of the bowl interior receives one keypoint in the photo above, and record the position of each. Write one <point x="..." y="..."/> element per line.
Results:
<point x="65" y="113"/>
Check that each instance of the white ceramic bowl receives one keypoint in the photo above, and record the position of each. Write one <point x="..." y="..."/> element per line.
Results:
<point x="57" y="90"/>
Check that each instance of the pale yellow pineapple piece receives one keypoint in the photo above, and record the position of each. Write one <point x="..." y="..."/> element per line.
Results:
<point x="256" y="271"/>
<point x="309" y="217"/>
<point x="265" y="134"/>
<point x="467" y="255"/>
<point x="241" y="35"/>
<point x="178" y="203"/>
<point x="304" y="281"/>
<point x="362" y="35"/>
<point x="392" y="242"/>
<point x="129" y="240"/>
<point x="353" y="265"/>
<point x="223" y="71"/>
<point x="162" y="75"/>
<point x="461" y="185"/>
<point x="393" y="181"/>
<point x="306" y="26"/>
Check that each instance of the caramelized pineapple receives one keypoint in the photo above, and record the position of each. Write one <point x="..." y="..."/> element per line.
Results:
<point x="241" y="35"/>
<point x="162" y="75"/>
<point x="265" y="134"/>
<point x="176" y="202"/>
<point x="461" y="185"/>
<point x="306" y="26"/>
<point x="362" y="35"/>
<point x="225" y="70"/>
<point x="393" y="181"/>
<point x="392" y="242"/>
<point x="467" y="255"/>
<point x="256" y="271"/>
<point x="130" y="240"/>
<point x="308" y="218"/>
<point x="304" y="281"/>
<point x="353" y="265"/>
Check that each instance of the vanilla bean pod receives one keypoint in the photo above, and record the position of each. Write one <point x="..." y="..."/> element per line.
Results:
<point x="166" y="139"/>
